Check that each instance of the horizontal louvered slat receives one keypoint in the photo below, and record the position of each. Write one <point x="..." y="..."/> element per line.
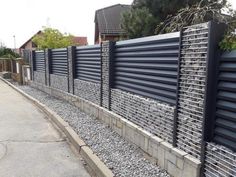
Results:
<point x="146" y="77"/>
<point x="228" y="66"/>
<point x="227" y="76"/>
<point x="226" y="105"/>
<point x="227" y="115"/>
<point x="88" y="63"/>
<point x="229" y="96"/>
<point x="170" y="60"/>
<point x="59" y="62"/>
<point x="226" y="124"/>
<point x="39" y="61"/>
<point x="225" y="133"/>
<point x="170" y="45"/>
<point x="230" y="86"/>
<point x="147" y="67"/>
<point x="152" y="72"/>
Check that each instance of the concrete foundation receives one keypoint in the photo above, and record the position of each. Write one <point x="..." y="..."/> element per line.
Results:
<point x="175" y="161"/>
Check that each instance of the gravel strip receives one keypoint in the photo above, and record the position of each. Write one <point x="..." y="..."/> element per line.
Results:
<point x="122" y="157"/>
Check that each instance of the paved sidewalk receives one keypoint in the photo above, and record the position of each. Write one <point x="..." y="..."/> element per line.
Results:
<point x="29" y="145"/>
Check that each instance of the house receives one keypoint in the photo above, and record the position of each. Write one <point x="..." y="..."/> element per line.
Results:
<point x="108" y="23"/>
<point x="80" y="40"/>
<point x="30" y="45"/>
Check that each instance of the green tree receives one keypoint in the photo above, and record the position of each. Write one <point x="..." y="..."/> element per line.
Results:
<point x="197" y="13"/>
<point x="145" y="13"/>
<point x="8" y="53"/>
<point x="219" y="11"/>
<point x="53" y="38"/>
<point x="138" y="23"/>
<point x="161" y="8"/>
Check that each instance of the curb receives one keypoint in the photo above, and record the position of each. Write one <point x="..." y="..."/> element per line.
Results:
<point x="98" y="167"/>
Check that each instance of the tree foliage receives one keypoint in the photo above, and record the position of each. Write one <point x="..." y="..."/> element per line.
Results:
<point x="8" y="53"/>
<point x="53" y="38"/>
<point x="219" y="11"/>
<point x="138" y="23"/>
<point x="162" y="8"/>
<point x="144" y="14"/>
<point x="229" y="41"/>
<point x="197" y="13"/>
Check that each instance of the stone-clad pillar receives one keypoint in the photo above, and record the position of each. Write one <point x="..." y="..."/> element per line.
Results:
<point x="71" y="68"/>
<point x="47" y="66"/>
<point x="106" y="72"/>
<point x="196" y="73"/>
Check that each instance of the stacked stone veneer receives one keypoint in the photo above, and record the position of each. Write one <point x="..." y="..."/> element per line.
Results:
<point x="192" y="82"/>
<point x="39" y="77"/>
<point x="87" y="90"/>
<point x="220" y="161"/>
<point x="47" y="65"/>
<point x="105" y="74"/>
<point x="71" y="67"/>
<point x="59" y="82"/>
<point x="151" y="115"/>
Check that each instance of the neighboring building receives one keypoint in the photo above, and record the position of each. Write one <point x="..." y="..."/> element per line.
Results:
<point x="80" y="40"/>
<point x="108" y="23"/>
<point x="30" y="45"/>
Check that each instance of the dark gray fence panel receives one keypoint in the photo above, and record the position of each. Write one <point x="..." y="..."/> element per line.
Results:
<point x="59" y="62"/>
<point x="39" y="61"/>
<point x="148" y="66"/>
<point x="225" y="125"/>
<point x="88" y="63"/>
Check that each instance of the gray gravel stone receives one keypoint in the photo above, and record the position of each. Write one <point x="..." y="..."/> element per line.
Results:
<point x="122" y="157"/>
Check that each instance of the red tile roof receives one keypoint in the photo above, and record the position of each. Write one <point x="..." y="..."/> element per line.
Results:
<point x="80" y="40"/>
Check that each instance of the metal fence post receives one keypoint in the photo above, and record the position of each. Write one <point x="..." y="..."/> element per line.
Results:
<point x="71" y="68"/>
<point x="174" y="143"/>
<point x="107" y="49"/>
<point x="47" y="66"/>
<point x="216" y="32"/>
<point x="32" y="63"/>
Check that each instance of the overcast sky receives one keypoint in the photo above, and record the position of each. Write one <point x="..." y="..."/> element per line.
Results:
<point x="23" y="18"/>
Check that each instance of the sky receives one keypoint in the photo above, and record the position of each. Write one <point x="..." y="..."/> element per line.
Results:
<point x="23" y="18"/>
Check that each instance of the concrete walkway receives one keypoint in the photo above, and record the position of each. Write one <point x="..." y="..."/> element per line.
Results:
<point x="29" y="145"/>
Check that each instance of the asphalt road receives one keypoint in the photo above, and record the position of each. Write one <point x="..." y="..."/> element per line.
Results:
<point x="30" y="146"/>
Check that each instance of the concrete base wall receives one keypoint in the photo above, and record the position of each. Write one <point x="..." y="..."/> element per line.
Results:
<point x="39" y="77"/>
<point x="59" y="82"/>
<point x="175" y="161"/>
<point x="88" y="90"/>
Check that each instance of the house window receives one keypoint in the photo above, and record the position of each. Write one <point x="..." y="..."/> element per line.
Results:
<point x="34" y="45"/>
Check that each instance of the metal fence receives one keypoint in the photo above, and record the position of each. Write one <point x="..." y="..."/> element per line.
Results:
<point x="39" y="61"/>
<point x="59" y="62"/>
<point x="88" y="63"/>
<point x="164" y="83"/>
<point x="148" y="66"/>
<point x="225" y="124"/>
